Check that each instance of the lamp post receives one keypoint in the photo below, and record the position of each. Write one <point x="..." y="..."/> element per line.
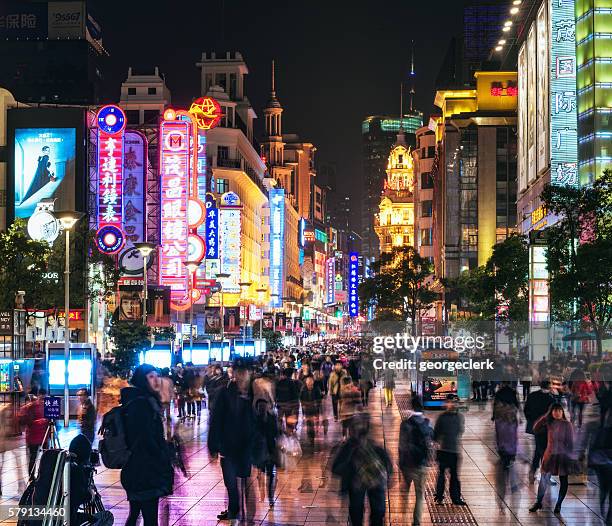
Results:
<point x="261" y="291"/>
<point x="145" y="250"/>
<point x="244" y="285"/>
<point x="192" y="267"/>
<point x="274" y="296"/>
<point x="222" y="275"/>
<point x="67" y="219"/>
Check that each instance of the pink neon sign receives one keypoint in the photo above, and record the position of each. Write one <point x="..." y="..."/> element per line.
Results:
<point x="175" y="163"/>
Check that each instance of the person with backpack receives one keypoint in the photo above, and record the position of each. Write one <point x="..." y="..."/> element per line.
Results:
<point x="232" y="435"/>
<point x="364" y="469"/>
<point x="447" y="432"/>
<point x="148" y="473"/>
<point x="415" y="448"/>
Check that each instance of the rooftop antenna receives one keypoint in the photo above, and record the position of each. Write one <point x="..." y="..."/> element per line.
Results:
<point x="401" y="101"/>
<point x="412" y="75"/>
<point x="273" y="88"/>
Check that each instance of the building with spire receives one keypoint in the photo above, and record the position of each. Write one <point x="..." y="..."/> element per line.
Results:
<point x="394" y="223"/>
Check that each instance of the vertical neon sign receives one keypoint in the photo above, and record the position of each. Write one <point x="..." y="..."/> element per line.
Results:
<point x="174" y="165"/>
<point x="111" y="125"/>
<point x="330" y="280"/>
<point x="353" y="284"/>
<point x="277" y="241"/>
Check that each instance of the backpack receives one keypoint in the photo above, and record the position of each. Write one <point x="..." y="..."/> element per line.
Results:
<point x="419" y="442"/>
<point x="113" y="445"/>
<point x="370" y="469"/>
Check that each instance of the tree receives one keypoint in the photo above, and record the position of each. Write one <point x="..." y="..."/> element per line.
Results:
<point x="129" y="338"/>
<point x="398" y="288"/>
<point x="24" y="265"/>
<point x="579" y="253"/>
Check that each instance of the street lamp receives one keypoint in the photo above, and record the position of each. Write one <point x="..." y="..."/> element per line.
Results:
<point x="222" y="275"/>
<point x="145" y="250"/>
<point x="261" y="291"/>
<point x="192" y="267"/>
<point x="67" y="219"/>
<point x="244" y="285"/>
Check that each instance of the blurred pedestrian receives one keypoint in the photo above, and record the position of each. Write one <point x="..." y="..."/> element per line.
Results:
<point x="148" y="473"/>
<point x="350" y="403"/>
<point x="580" y="395"/>
<point x="415" y="448"/>
<point x="600" y="459"/>
<point x="538" y="403"/>
<point x="32" y="417"/>
<point x="326" y="369"/>
<point x="388" y="386"/>
<point x="364" y="468"/>
<point x="166" y="393"/>
<point x="334" y="386"/>
<point x="448" y="431"/>
<point x="558" y="457"/>
<point x="267" y="427"/>
<point x="87" y="415"/>
<point x="10" y="441"/>
<point x="287" y="400"/>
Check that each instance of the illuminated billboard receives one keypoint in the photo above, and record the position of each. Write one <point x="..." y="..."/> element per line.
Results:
<point x="276" y="197"/>
<point x="44" y="167"/>
<point x="229" y="248"/>
<point x="353" y="284"/>
<point x="175" y="162"/>
<point x="330" y="281"/>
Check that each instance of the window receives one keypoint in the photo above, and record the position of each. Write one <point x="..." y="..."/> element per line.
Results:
<point x="222" y="186"/>
<point x="232" y="87"/>
<point x="132" y="116"/>
<point x="151" y="115"/>
<point x="426" y="209"/>
<point x="131" y="91"/>
<point x="223" y="152"/>
<point x="152" y="91"/>
<point x="426" y="237"/>
<point x="407" y="240"/>
<point x="426" y="181"/>
<point x="400" y="159"/>
<point x="431" y="151"/>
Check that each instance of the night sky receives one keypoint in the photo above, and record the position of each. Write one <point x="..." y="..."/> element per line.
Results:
<point x="337" y="61"/>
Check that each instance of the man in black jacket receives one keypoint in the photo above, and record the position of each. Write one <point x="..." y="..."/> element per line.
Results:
<point x="287" y="400"/>
<point x="232" y="435"/>
<point x="537" y="405"/>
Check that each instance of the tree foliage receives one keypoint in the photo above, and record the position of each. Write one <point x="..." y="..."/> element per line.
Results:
<point x="580" y="252"/>
<point x="128" y="338"/>
<point x="398" y="288"/>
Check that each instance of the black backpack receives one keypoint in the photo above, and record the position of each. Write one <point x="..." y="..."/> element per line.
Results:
<point x="419" y="447"/>
<point x="113" y="445"/>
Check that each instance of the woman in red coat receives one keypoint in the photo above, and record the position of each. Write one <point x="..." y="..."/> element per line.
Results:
<point x="558" y="459"/>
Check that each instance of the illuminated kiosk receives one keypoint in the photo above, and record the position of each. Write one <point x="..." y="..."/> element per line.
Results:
<point x="220" y="352"/>
<point x="81" y="371"/>
<point x="199" y="355"/>
<point x="160" y="355"/>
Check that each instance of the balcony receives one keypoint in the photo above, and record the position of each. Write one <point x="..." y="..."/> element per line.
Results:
<point x="228" y="163"/>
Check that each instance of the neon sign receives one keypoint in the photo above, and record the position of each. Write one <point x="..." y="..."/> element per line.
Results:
<point x="175" y="162"/>
<point x="499" y="90"/>
<point x="211" y="227"/>
<point x="207" y="112"/>
<point x="229" y="248"/>
<point x="353" y="284"/>
<point x="111" y="125"/>
<point x="277" y="241"/>
<point x="330" y="278"/>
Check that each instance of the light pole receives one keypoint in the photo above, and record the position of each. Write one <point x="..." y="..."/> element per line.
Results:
<point x="222" y="275"/>
<point x="192" y="267"/>
<point x="67" y="219"/>
<point x="261" y="291"/>
<point x="145" y="250"/>
<point x="274" y="296"/>
<point x="244" y="285"/>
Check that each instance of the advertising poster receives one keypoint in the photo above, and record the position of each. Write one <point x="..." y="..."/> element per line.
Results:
<point x="231" y="318"/>
<point x="134" y="168"/>
<point x="268" y="321"/>
<point x="542" y="80"/>
<point x="130" y="303"/>
<point x="158" y="306"/>
<point x="531" y="105"/>
<point x="522" y="119"/>
<point x="44" y="168"/>
<point x="213" y="320"/>
<point x="436" y="389"/>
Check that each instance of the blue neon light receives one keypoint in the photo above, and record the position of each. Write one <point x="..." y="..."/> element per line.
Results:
<point x="353" y="284"/>
<point x="277" y="242"/>
<point x="212" y="227"/>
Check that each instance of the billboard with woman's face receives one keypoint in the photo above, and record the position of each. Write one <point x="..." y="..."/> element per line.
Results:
<point x="44" y="167"/>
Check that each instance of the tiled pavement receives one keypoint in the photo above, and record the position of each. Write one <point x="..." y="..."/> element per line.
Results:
<point x="309" y="496"/>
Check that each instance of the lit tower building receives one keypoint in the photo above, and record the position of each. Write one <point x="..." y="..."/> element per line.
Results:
<point x="394" y="223"/>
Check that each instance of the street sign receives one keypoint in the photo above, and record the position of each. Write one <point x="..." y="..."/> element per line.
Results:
<point x="52" y="407"/>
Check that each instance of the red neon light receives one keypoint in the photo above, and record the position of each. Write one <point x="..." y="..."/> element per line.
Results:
<point x="206" y="111"/>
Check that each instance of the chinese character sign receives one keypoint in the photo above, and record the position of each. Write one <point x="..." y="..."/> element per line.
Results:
<point x="353" y="284"/>
<point x="277" y="241"/>
<point x="229" y="248"/>
<point x="211" y="227"/>
<point x="330" y="281"/>
<point x="174" y="166"/>
<point x="563" y="112"/>
<point x="111" y="124"/>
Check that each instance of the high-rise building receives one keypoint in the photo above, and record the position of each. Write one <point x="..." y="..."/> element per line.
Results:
<point x="475" y="170"/>
<point x="394" y="223"/>
<point x="47" y="60"/>
<point x="424" y="195"/>
<point x="379" y="134"/>
<point x="594" y="85"/>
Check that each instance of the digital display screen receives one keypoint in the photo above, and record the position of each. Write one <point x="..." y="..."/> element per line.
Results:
<point x="79" y="372"/>
<point x="248" y="349"/>
<point x="199" y="355"/>
<point x="44" y="167"/>
<point x="160" y="358"/>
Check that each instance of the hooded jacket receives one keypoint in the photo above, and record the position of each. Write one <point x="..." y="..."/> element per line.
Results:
<point x="148" y="473"/>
